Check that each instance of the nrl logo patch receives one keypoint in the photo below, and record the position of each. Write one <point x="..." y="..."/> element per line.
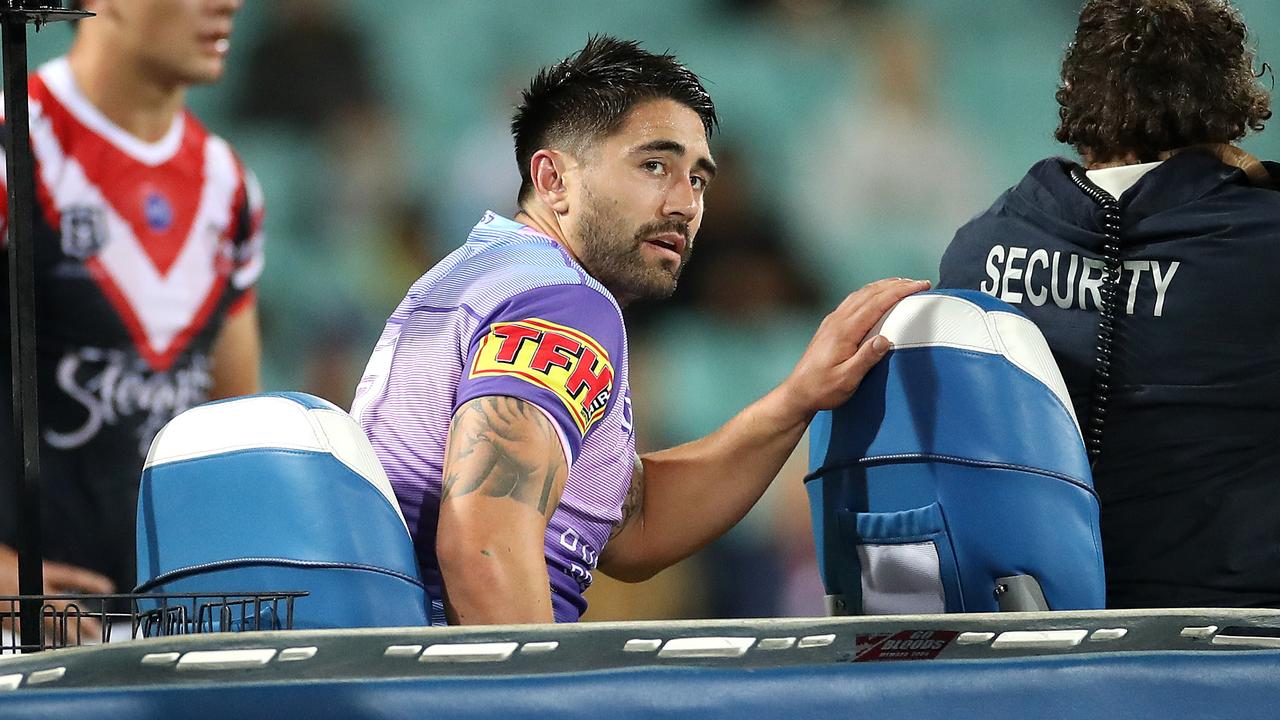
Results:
<point x="84" y="231"/>
<point x="158" y="211"/>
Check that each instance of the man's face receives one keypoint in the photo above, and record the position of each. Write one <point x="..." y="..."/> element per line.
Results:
<point x="176" y="41"/>
<point x="638" y="204"/>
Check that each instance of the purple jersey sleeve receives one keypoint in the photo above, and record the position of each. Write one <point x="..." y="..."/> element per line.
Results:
<point x="557" y="347"/>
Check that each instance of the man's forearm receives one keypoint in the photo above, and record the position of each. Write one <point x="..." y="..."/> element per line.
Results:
<point x="495" y="583"/>
<point x="695" y="492"/>
<point x="685" y="497"/>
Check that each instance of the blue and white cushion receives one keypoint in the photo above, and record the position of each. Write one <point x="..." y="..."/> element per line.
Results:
<point x="958" y="460"/>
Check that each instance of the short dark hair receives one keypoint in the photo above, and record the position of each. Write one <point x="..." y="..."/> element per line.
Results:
<point x="589" y="94"/>
<point x="1145" y="76"/>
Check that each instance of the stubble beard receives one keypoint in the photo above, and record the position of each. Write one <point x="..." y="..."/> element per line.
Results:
<point x="616" y="258"/>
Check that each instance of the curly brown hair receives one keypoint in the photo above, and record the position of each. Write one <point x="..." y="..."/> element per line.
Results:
<point x="1146" y="76"/>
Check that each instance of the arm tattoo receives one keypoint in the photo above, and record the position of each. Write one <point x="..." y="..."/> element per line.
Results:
<point x="503" y="447"/>
<point x="633" y="505"/>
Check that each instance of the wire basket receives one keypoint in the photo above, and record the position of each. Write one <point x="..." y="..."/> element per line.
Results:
<point x="73" y="620"/>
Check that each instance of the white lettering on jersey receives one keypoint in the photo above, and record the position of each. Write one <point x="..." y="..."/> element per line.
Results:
<point x="1039" y="257"/>
<point x="1043" y="276"/>
<point x="1136" y="267"/>
<point x="994" y="257"/>
<point x="110" y="388"/>
<point x="1162" y="283"/>
<point x="569" y="540"/>
<point x="1063" y="301"/>
<point x="1091" y="284"/>
<point x="1012" y="272"/>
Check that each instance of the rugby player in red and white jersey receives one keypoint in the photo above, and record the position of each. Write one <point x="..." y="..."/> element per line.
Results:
<point x="147" y="249"/>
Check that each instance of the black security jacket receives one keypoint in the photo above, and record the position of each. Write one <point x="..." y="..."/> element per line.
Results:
<point x="1189" y="470"/>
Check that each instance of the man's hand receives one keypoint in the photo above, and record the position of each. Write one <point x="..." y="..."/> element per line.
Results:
<point x="841" y="354"/>
<point x="59" y="579"/>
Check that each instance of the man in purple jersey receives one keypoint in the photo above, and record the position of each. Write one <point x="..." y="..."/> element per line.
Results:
<point x="498" y="396"/>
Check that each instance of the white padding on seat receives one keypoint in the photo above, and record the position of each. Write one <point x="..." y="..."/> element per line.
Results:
<point x="269" y="423"/>
<point x="243" y="424"/>
<point x="350" y="445"/>
<point x="936" y="321"/>
<point x="944" y="321"/>
<point x="1025" y="347"/>
<point x="901" y="579"/>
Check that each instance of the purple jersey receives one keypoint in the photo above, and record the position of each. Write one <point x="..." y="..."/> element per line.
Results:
<point x="509" y="313"/>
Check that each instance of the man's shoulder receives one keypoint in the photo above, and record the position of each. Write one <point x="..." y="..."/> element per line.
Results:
<point x="509" y="265"/>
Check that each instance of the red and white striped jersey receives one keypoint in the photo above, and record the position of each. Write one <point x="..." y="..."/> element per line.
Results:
<point x="142" y="252"/>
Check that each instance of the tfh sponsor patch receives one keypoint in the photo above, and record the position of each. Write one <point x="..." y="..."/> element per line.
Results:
<point x="569" y="363"/>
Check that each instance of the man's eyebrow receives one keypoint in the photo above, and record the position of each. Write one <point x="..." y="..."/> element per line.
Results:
<point x="705" y="164"/>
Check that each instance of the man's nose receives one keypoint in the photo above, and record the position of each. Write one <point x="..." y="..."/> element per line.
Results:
<point x="682" y="200"/>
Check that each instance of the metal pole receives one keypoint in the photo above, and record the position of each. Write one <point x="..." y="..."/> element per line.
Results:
<point x="20" y="166"/>
<point x="22" y="321"/>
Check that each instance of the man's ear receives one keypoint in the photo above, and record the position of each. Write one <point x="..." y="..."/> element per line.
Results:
<point x="547" y="170"/>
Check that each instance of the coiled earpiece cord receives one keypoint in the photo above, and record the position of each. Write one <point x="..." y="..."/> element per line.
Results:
<point x="1107" y="311"/>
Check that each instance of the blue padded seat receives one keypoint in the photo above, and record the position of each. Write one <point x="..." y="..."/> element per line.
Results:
<point x="958" y="461"/>
<point x="275" y="492"/>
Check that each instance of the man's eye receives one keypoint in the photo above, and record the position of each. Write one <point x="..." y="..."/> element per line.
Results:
<point x="654" y="166"/>
<point x="698" y="181"/>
